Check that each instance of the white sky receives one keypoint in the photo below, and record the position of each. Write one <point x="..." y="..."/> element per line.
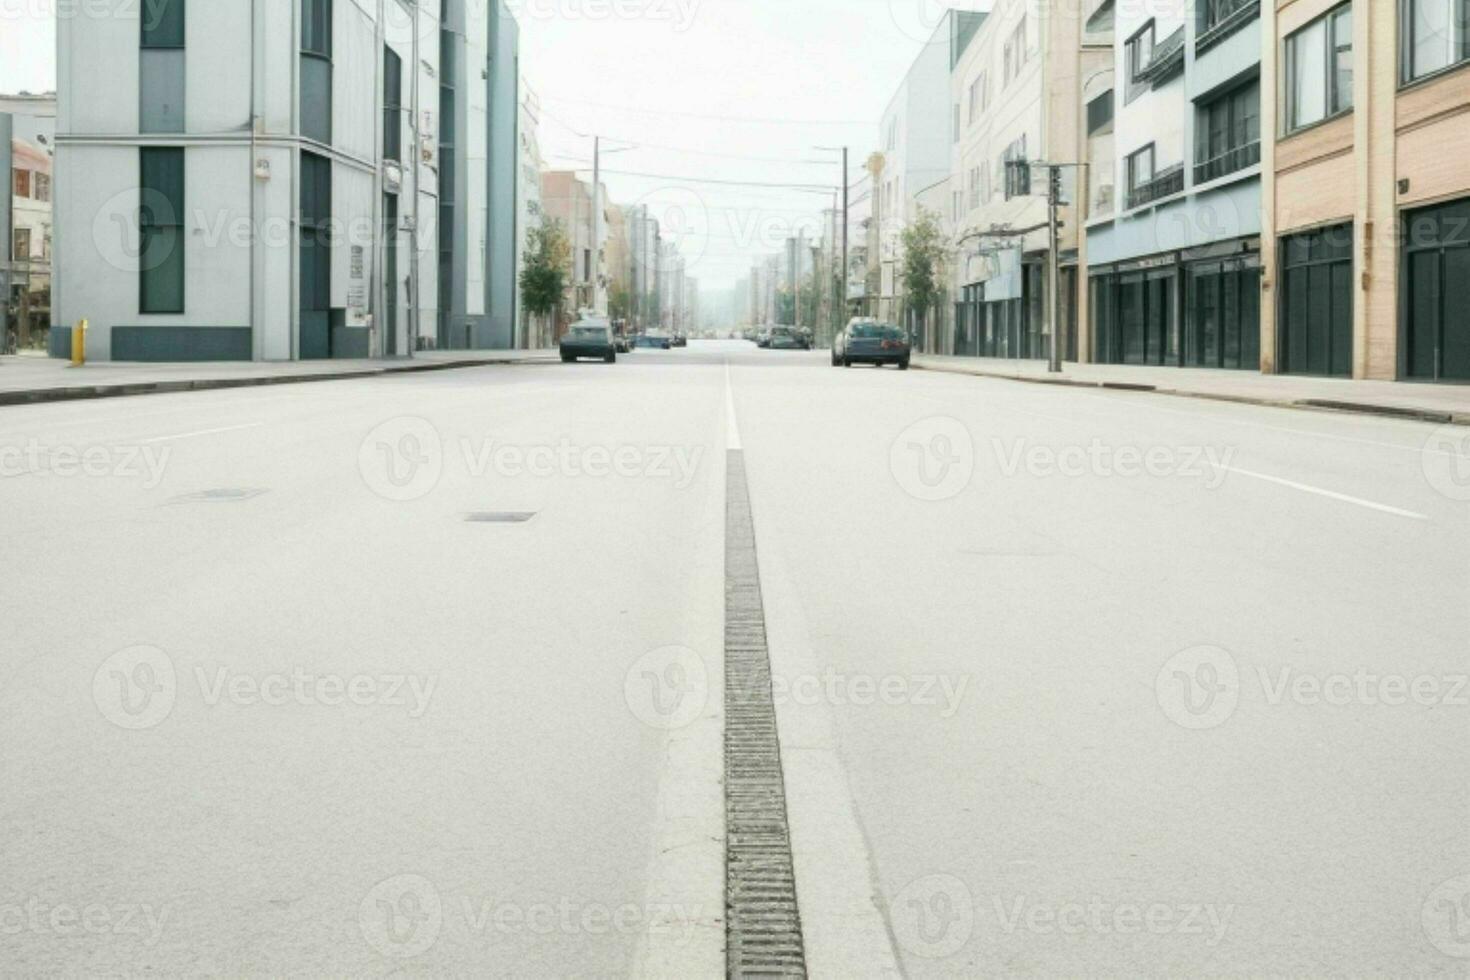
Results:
<point x="705" y="84"/>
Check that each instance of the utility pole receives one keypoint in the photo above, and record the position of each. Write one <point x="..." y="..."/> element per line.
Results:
<point x="596" y="220"/>
<point x="418" y="197"/>
<point x="1053" y="201"/>
<point x="842" y="275"/>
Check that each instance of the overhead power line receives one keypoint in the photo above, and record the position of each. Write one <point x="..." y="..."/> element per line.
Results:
<point x="763" y="120"/>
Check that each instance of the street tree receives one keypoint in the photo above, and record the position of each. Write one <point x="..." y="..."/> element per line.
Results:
<point x="548" y="267"/>
<point x="923" y="264"/>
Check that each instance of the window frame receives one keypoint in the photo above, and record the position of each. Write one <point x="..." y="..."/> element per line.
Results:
<point x="149" y="219"/>
<point x="392" y="110"/>
<point x="1461" y="59"/>
<point x="1132" y="64"/>
<point x="1331" y="96"/>
<point x="1228" y="99"/>
<point x="20" y="183"/>
<point x="150" y="43"/>
<point x="1153" y="165"/>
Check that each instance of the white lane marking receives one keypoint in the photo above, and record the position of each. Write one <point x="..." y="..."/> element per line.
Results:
<point x="1334" y="495"/>
<point x="202" y="432"/>
<point x="732" y="427"/>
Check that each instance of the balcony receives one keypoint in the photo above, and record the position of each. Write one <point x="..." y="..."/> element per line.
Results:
<point x="1222" y="18"/>
<point x="1233" y="159"/>
<point x="1166" y="62"/>
<point x="1165" y="183"/>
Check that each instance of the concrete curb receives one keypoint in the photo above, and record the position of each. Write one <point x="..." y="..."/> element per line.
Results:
<point x="1308" y="404"/>
<point x="37" y="396"/>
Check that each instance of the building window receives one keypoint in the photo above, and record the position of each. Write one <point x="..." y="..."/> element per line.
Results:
<point x="1140" y="168"/>
<point x="392" y="105"/>
<point x="1139" y="53"/>
<point x="22" y="251"/>
<point x="316" y="70"/>
<point x="1228" y="133"/>
<point x="43" y="187"/>
<point x="1319" y="69"/>
<point x="161" y="230"/>
<point x="1220" y="18"/>
<point x="161" y="67"/>
<point x="22" y="183"/>
<point x="1100" y="113"/>
<point x="1436" y="35"/>
<point x="163" y="24"/>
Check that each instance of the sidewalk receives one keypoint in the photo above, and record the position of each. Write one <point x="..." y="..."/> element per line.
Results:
<point x="1442" y="403"/>
<point x="26" y="379"/>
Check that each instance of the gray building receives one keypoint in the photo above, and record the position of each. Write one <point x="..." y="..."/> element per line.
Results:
<point x="1173" y="243"/>
<point x="479" y="155"/>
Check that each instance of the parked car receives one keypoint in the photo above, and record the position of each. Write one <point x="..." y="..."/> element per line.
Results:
<point x="785" y="338"/>
<point x="870" y="342"/>
<point x="623" y="344"/>
<point x="651" y="340"/>
<point x="679" y="340"/>
<point x="589" y="340"/>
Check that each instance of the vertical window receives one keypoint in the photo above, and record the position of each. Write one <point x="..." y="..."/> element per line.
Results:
<point x="392" y="105"/>
<point x="1436" y="35"/>
<point x="1138" y="52"/>
<point x="161" y="67"/>
<point x="1319" y="69"/>
<point x="43" y="187"/>
<point x="161" y="230"/>
<point x="1228" y="133"/>
<point x="316" y="70"/>
<point x="163" y="24"/>
<point x="955" y="127"/>
<point x="22" y="183"/>
<point x="22" y="251"/>
<point x="1141" y="168"/>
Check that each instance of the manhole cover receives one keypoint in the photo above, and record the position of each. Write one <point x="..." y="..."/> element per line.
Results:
<point x="499" y="517"/>
<point x="221" y="495"/>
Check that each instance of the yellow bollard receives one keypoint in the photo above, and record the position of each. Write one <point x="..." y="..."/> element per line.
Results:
<point x="79" y="344"/>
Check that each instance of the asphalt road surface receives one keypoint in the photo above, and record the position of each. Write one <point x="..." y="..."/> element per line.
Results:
<point x="422" y="675"/>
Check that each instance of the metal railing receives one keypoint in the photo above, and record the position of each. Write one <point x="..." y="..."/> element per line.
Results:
<point x="1166" y="60"/>
<point x="1221" y="18"/>
<point x="1233" y="159"/>
<point x="1164" y="184"/>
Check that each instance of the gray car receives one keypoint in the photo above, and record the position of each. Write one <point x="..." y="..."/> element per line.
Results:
<point x="869" y="342"/>
<point x="587" y="340"/>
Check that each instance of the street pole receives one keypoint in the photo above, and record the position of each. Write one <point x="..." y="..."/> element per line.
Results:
<point x="1053" y="195"/>
<point x="596" y="217"/>
<point x="418" y="197"/>
<point x="842" y="276"/>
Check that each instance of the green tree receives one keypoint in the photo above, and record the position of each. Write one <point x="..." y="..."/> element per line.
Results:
<point x="923" y="264"/>
<point x="548" y="261"/>
<point x="619" y="302"/>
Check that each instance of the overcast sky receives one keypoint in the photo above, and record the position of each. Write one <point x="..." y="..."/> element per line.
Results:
<point x="737" y="90"/>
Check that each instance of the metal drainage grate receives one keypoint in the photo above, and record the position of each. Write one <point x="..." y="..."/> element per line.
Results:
<point x="762" y="922"/>
<point x="223" y="495"/>
<point x="499" y="517"/>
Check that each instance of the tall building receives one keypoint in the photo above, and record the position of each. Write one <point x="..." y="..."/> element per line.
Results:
<point x="567" y="199"/>
<point x="27" y="135"/>
<point x="1174" y="236"/>
<point x="1366" y="192"/>
<point x="1014" y="100"/>
<point x="480" y="173"/>
<point x="532" y="333"/>
<point x="915" y="135"/>
<point x="284" y="179"/>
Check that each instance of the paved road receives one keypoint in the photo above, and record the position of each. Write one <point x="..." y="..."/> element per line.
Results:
<point x="1092" y="710"/>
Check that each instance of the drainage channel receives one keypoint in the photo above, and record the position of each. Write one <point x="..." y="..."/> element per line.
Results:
<point x="762" y="922"/>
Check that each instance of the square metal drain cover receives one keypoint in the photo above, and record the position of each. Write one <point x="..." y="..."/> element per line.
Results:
<point x="499" y="517"/>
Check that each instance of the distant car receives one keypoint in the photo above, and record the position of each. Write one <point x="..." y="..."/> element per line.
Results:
<point x="622" y="343"/>
<point x="649" y="340"/>
<point x="784" y="339"/>
<point x="679" y="340"/>
<point x="763" y="338"/>
<point x="589" y="340"/>
<point x="869" y="342"/>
